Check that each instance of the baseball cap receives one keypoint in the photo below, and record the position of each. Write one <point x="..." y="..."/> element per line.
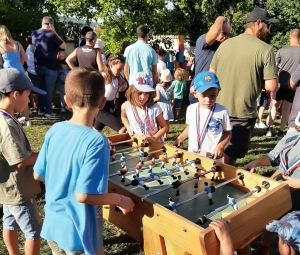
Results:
<point x="143" y="82"/>
<point x="262" y="14"/>
<point x="288" y="228"/>
<point x="12" y="79"/>
<point x="205" y="80"/>
<point x="99" y="44"/>
<point x="165" y="75"/>
<point x="47" y="20"/>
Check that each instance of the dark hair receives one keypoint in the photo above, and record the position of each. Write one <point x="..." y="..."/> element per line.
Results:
<point x="162" y="53"/>
<point x="155" y="44"/>
<point x="142" y="31"/>
<point x="113" y="59"/>
<point x="124" y="45"/>
<point x="8" y="93"/>
<point x="85" y="29"/>
<point x="84" y="87"/>
<point x="28" y="39"/>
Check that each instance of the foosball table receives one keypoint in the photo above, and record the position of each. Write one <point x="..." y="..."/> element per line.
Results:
<point x="177" y="194"/>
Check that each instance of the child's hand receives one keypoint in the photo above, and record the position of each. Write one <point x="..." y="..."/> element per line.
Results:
<point x="250" y="166"/>
<point x="178" y="143"/>
<point x="126" y="204"/>
<point x="294" y="183"/>
<point x="130" y="132"/>
<point x="218" y="152"/>
<point x="149" y="138"/>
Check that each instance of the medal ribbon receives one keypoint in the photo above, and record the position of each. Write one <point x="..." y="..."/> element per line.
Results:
<point x="142" y="125"/>
<point x="200" y="137"/>
<point x="283" y="163"/>
<point x="5" y="113"/>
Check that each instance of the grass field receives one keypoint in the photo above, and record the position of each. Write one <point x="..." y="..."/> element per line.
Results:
<point x="116" y="242"/>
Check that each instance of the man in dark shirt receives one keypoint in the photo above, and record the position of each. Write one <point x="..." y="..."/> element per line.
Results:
<point x="206" y="46"/>
<point x="81" y="42"/>
<point x="46" y="45"/>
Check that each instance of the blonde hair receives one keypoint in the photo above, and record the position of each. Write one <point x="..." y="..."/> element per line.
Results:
<point x="113" y="59"/>
<point x="5" y="35"/>
<point x="132" y="91"/>
<point x="179" y="74"/>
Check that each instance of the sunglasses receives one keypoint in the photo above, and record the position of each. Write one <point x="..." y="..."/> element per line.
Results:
<point x="268" y="24"/>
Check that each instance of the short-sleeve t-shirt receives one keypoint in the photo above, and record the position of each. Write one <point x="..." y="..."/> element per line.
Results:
<point x="203" y="54"/>
<point x="288" y="58"/>
<point x="16" y="185"/>
<point x="74" y="160"/>
<point x="147" y="117"/>
<point x="178" y="87"/>
<point x="45" y="46"/>
<point x="242" y="64"/>
<point x="218" y="123"/>
<point x="140" y="58"/>
<point x="296" y="103"/>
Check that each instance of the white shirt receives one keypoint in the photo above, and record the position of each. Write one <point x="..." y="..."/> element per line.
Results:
<point x="111" y="90"/>
<point x="161" y="65"/>
<point x="218" y="122"/>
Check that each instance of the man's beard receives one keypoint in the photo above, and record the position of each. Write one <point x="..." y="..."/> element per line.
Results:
<point x="260" y="34"/>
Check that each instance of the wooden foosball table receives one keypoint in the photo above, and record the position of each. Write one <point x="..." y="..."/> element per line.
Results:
<point x="172" y="208"/>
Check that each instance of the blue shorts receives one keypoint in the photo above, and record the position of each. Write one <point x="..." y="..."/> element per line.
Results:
<point x="177" y="103"/>
<point x="24" y="217"/>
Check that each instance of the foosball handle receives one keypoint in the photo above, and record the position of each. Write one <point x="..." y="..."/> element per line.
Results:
<point x="201" y="220"/>
<point x="278" y="177"/>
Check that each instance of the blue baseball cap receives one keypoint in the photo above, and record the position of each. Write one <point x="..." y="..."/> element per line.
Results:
<point x="205" y="80"/>
<point x="288" y="228"/>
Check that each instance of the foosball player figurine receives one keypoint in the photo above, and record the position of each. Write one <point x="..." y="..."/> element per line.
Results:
<point x="181" y="168"/>
<point x="164" y="160"/>
<point x="172" y="205"/>
<point x="123" y="172"/>
<point x="175" y="157"/>
<point x="138" y="181"/>
<point x="156" y="177"/>
<point x="208" y="191"/>
<point x="113" y="153"/>
<point x="232" y="202"/>
<point x="214" y="169"/>
<point x="144" y="144"/>
<point x="151" y="165"/>
<point x="168" y="172"/>
<point x="142" y="155"/>
<point x="123" y="160"/>
<point x="176" y="185"/>
<point x="138" y="168"/>
<point x="193" y="163"/>
<point x="197" y="176"/>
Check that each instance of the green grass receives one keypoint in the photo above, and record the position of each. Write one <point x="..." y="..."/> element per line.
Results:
<point x="116" y="242"/>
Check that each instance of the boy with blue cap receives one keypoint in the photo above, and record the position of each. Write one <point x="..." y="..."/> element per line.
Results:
<point x="207" y="119"/>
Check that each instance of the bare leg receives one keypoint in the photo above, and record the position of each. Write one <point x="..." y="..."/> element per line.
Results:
<point x="228" y="160"/>
<point x="177" y="111"/>
<point x="286" y="108"/>
<point x="166" y="134"/>
<point x="32" y="247"/>
<point x="10" y="238"/>
<point x="272" y="115"/>
<point x="260" y="114"/>
<point x="33" y="99"/>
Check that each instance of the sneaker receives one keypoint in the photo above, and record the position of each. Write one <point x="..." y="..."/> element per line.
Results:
<point x="176" y="120"/>
<point x="269" y="132"/>
<point x="28" y="123"/>
<point x="34" y="110"/>
<point x="261" y="125"/>
<point x="22" y="120"/>
<point x="51" y="115"/>
<point x="280" y="135"/>
<point x="40" y="113"/>
<point x="171" y="120"/>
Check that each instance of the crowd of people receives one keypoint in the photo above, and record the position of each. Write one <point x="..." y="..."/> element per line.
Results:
<point x="229" y="76"/>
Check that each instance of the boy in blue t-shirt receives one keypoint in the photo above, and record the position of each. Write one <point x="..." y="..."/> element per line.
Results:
<point x="74" y="162"/>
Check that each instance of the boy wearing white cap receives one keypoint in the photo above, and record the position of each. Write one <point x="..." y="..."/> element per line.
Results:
<point x="207" y="119"/>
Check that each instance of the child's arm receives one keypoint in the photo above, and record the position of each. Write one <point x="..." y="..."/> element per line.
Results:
<point x="124" y="203"/>
<point x="122" y="84"/>
<point x="157" y="98"/>
<point x="172" y="97"/>
<point x="182" y="136"/>
<point x="222" y="230"/>
<point x="125" y="120"/>
<point x="163" y="128"/>
<point x="30" y="161"/>
<point x="219" y="150"/>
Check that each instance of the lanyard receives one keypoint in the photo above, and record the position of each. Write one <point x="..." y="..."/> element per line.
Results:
<point x="201" y="136"/>
<point x="5" y="113"/>
<point x="143" y="125"/>
<point x="283" y="163"/>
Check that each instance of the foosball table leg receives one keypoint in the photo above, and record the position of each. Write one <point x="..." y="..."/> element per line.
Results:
<point x="153" y="242"/>
<point x="244" y="251"/>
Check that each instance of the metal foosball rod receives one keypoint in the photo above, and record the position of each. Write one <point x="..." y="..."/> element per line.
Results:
<point x="172" y="185"/>
<point x="203" y="219"/>
<point x="239" y="176"/>
<point x="163" y="149"/>
<point x="132" y="148"/>
<point x="125" y="141"/>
